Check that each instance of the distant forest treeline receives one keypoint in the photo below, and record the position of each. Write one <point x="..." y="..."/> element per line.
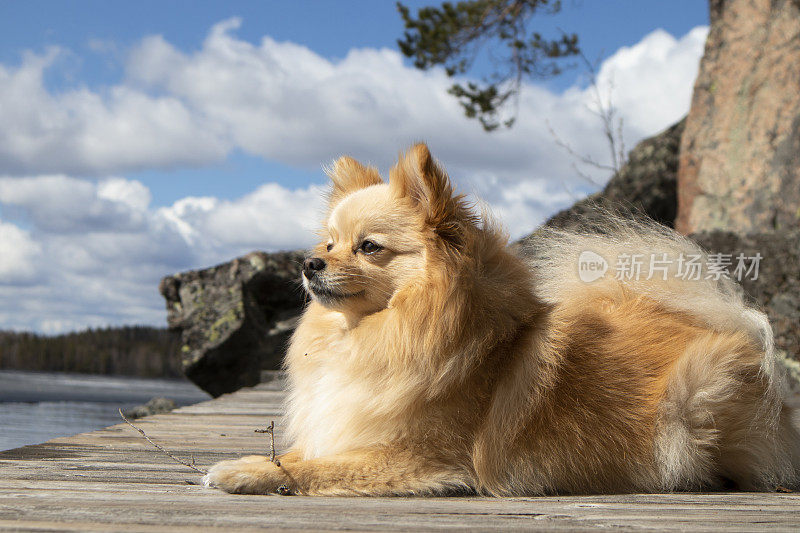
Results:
<point x="130" y="351"/>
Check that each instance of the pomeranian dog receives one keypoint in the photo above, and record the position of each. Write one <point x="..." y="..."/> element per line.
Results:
<point x="434" y="358"/>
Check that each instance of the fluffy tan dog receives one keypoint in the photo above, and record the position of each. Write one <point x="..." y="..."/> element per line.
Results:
<point x="434" y="358"/>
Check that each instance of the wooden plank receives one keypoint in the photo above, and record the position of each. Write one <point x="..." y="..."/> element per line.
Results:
<point x="113" y="480"/>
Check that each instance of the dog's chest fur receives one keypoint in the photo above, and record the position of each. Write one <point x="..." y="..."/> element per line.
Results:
<point x="333" y="405"/>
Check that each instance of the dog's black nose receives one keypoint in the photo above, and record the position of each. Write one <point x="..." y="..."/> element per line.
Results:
<point x="312" y="265"/>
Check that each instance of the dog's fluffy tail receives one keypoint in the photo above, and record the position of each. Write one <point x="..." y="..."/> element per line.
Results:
<point x="647" y="259"/>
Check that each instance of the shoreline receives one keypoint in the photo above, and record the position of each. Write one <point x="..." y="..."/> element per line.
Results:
<point x="36" y="386"/>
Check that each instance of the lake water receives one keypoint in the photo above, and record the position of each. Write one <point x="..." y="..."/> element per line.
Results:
<point x="39" y="406"/>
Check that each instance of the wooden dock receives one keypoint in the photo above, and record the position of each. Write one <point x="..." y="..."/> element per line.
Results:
<point x="113" y="480"/>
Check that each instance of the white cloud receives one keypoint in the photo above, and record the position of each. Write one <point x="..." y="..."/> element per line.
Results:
<point x="97" y="250"/>
<point x="79" y="252"/>
<point x="61" y="204"/>
<point x="516" y="205"/>
<point x="19" y="255"/>
<point x="653" y="80"/>
<point x="284" y="102"/>
<point x="83" y="132"/>
<point x="129" y="193"/>
<point x="272" y="216"/>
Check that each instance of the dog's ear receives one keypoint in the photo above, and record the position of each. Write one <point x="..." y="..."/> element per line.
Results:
<point x="348" y="175"/>
<point x="419" y="177"/>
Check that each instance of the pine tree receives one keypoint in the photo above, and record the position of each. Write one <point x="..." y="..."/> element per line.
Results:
<point x="454" y="34"/>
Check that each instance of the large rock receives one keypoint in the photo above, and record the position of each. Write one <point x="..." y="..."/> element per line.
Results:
<point x="740" y="155"/>
<point x="236" y="318"/>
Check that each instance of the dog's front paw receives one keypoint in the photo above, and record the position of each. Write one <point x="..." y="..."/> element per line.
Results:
<point x="254" y="474"/>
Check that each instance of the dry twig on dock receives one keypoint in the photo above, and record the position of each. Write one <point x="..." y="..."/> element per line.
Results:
<point x="181" y="461"/>
<point x="271" y="430"/>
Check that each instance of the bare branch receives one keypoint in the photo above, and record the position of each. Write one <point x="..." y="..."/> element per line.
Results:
<point x="584" y="176"/>
<point x="612" y="126"/>
<point x="181" y="461"/>
<point x="271" y="430"/>
<point x="585" y="159"/>
<point x="621" y="139"/>
<point x="607" y="113"/>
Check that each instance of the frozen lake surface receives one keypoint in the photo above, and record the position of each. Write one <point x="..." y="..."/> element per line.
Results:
<point x="38" y="406"/>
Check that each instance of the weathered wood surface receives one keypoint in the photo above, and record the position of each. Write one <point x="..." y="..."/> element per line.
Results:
<point x="113" y="480"/>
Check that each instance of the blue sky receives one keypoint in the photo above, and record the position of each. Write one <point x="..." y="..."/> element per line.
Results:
<point x="138" y="139"/>
<point x="327" y="27"/>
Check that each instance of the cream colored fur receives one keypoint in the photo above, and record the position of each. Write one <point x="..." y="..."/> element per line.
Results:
<point x="693" y="446"/>
<point x="434" y="358"/>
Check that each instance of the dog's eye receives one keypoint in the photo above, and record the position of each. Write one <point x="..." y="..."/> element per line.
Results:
<point x="369" y="247"/>
<point x="329" y="247"/>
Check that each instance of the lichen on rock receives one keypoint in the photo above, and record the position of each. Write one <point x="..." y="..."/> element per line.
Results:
<point x="231" y="317"/>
